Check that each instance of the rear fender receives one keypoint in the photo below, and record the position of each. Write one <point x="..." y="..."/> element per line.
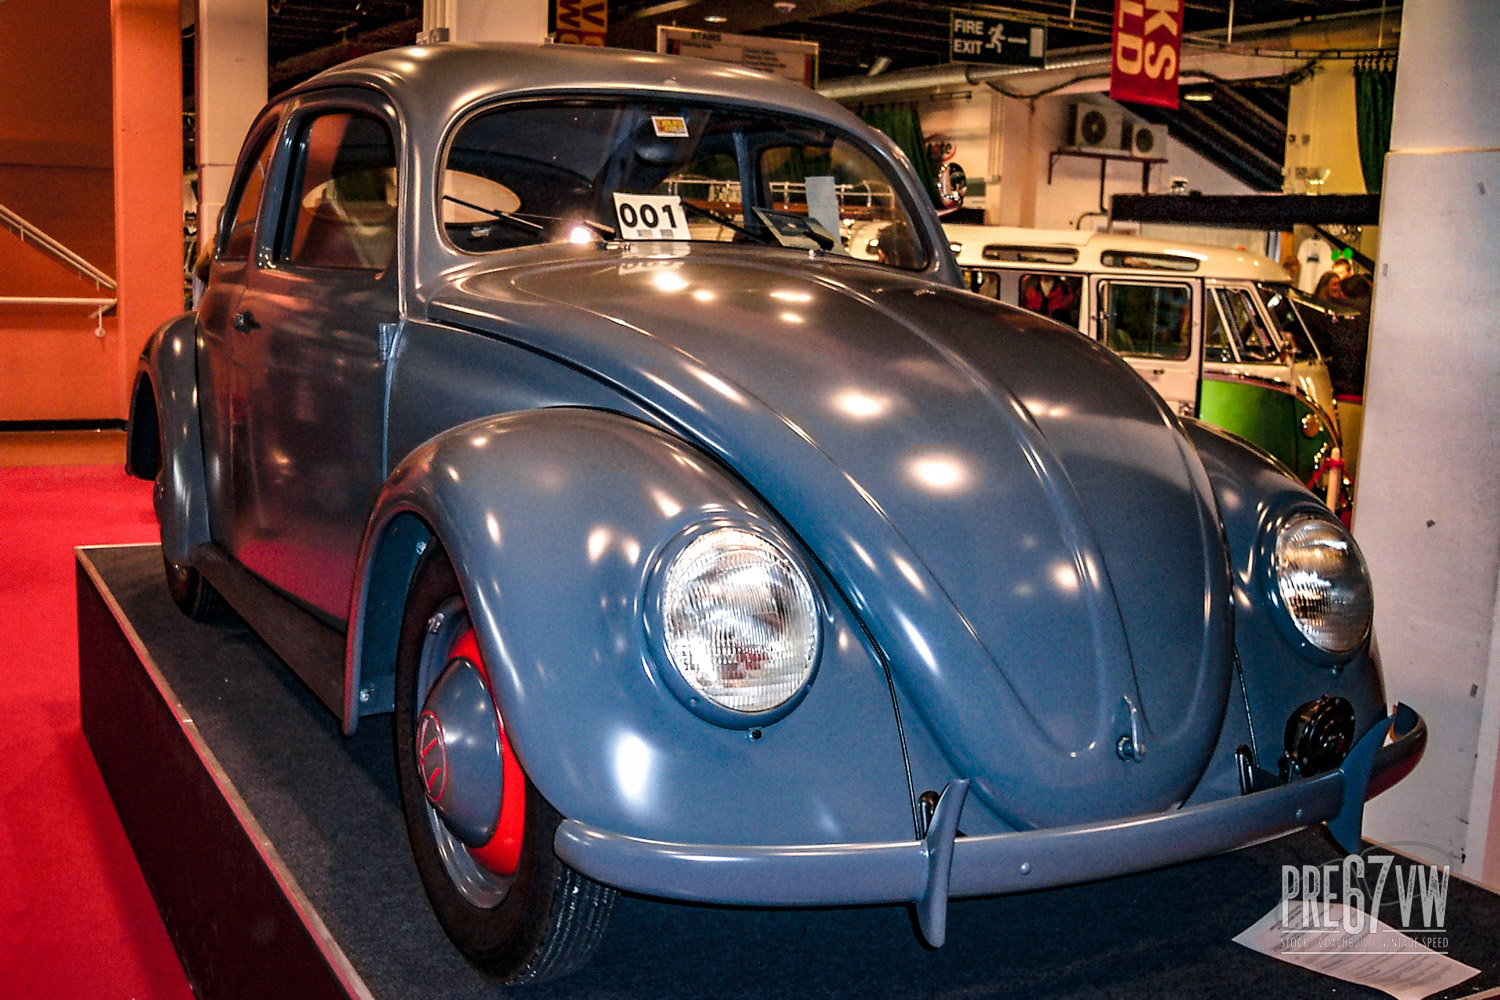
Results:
<point x="554" y="520"/>
<point x="168" y="372"/>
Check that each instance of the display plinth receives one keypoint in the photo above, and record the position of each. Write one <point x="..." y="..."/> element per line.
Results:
<point x="277" y="854"/>
<point x="240" y="922"/>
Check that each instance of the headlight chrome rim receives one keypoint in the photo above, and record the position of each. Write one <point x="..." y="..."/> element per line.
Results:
<point x="655" y="617"/>
<point x="1275" y="531"/>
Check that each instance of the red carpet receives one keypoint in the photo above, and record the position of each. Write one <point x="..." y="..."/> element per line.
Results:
<point x="76" y="919"/>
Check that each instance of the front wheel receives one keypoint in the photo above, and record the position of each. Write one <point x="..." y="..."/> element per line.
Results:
<point x="480" y="832"/>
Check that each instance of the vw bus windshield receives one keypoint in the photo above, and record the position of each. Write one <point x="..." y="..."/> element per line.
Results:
<point x="1278" y="300"/>
<point x="660" y="169"/>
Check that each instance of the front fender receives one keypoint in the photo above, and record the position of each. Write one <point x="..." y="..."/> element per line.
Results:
<point x="1252" y="492"/>
<point x="554" y="520"/>
<point x="169" y="367"/>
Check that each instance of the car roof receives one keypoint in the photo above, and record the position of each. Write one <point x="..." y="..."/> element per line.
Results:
<point x="1146" y="255"/>
<point x="431" y="83"/>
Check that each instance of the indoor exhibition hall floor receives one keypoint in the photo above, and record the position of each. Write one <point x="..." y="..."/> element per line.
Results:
<point x="76" y="919"/>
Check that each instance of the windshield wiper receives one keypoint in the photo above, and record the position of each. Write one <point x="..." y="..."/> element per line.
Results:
<point x="528" y="220"/>
<point x="724" y="221"/>
<point x="497" y="213"/>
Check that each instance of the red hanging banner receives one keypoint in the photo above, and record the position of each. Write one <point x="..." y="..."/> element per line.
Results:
<point x="1146" y="52"/>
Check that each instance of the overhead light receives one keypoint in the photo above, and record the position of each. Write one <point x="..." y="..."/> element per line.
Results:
<point x="879" y="66"/>
<point x="1199" y="96"/>
<point x="715" y="18"/>
<point x="785" y="6"/>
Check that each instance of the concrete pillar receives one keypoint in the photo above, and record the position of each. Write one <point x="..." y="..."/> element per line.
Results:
<point x="230" y="84"/>
<point x="485" y="21"/>
<point x="147" y="44"/>
<point x="1428" y="508"/>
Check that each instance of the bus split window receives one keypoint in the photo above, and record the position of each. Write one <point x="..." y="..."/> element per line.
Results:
<point x="1056" y="296"/>
<point x="986" y="283"/>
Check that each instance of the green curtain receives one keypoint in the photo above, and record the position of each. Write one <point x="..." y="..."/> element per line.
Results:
<point x="1374" y="94"/>
<point x="901" y="123"/>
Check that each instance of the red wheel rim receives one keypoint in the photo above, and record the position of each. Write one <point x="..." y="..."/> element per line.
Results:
<point x="500" y="854"/>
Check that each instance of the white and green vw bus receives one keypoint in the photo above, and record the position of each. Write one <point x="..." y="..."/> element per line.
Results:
<point x="1212" y="329"/>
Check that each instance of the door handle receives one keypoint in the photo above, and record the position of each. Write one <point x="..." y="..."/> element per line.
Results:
<point x="245" y="321"/>
<point x="1158" y="371"/>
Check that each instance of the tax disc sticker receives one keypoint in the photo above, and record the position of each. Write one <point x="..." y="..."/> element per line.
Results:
<point x="651" y="217"/>
<point x="669" y="126"/>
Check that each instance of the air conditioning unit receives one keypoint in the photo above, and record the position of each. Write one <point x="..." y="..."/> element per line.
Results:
<point x="1095" y="127"/>
<point x="1139" y="139"/>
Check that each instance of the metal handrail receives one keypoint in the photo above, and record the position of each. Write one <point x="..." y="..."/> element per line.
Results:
<point x="98" y="307"/>
<point x="54" y="249"/>
<point x="53" y="300"/>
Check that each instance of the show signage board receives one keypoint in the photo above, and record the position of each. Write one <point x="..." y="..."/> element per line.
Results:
<point x="995" y="41"/>
<point x="783" y="57"/>
<point x="1147" y="52"/>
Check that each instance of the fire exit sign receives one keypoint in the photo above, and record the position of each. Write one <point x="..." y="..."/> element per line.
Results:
<point x="981" y="38"/>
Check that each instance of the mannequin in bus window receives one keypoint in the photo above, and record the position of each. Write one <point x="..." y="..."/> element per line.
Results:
<point x="1049" y="295"/>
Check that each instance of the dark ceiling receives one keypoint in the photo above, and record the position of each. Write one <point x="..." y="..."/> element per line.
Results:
<point x="1243" y="128"/>
<point x="851" y="34"/>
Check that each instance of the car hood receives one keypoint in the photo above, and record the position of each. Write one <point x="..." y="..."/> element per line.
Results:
<point x="1016" y="517"/>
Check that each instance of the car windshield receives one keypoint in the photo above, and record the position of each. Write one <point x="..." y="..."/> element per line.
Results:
<point x="649" y="169"/>
<point x="1245" y="326"/>
<point x="1278" y="300"/>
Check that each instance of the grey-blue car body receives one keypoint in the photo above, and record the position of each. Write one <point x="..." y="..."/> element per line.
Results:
<point x="1051" y="643"/>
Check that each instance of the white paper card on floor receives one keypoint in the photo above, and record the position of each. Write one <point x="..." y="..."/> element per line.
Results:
<point x="1354" y="946"/>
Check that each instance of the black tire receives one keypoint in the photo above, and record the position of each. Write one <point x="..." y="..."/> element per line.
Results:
<point x="193" y="594"/>
<point x="547" y="919"/>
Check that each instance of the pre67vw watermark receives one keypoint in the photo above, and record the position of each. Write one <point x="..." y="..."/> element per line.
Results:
<point x="1364" y="894"/>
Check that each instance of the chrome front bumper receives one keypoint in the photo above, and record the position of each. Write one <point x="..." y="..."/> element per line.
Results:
<point x="942" y="865"/>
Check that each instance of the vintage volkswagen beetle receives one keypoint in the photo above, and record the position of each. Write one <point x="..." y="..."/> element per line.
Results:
<point x="699" y="559"/>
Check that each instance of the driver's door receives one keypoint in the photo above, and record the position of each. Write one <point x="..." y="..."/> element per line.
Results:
<point x="313" y="331"/>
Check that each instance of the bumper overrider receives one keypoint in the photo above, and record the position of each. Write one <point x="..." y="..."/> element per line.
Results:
<point x="942" y="865"/>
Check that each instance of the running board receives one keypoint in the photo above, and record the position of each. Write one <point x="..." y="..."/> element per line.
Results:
<point x="314" y="651"/>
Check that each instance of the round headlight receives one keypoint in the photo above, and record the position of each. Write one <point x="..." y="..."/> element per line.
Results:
<point x="1321" y="578"/>
<point x="739" y="621"/>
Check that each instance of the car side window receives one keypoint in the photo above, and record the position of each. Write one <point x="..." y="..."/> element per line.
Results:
<point x="237" y="238"/>
<point x="340" y="209"/>
<point x="1152" y="321"/>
